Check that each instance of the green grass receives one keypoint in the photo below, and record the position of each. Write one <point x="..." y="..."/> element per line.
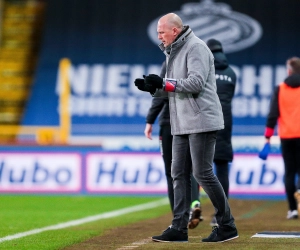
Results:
<point x="23" y="213"/>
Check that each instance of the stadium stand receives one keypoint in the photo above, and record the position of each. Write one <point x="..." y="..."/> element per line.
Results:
<point x="21" y="27"/>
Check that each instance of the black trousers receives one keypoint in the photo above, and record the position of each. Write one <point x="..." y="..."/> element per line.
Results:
<point x="166" y="140"/>
<point x="290" y="149"/>
<point x="222" y="172"/>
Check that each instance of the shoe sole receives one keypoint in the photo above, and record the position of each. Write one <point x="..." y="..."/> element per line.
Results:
<point x="235" y="237"/>
<point x="183" y="241"/>
<point x="196" y="218"/>
<point x="293" y="217"/>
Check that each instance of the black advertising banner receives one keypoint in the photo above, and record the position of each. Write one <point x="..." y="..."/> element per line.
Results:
<point x="112" y="42"/>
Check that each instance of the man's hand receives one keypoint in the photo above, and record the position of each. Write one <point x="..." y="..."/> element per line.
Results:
<point x="140" y="84"/>
<point x="154" y="80"/>
<point x="148" y="131"/>
<point x="263" y="154"/>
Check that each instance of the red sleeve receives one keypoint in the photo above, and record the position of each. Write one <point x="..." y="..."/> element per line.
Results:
<point x="269" y="132"/>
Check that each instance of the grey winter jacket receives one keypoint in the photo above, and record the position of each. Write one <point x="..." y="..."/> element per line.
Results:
<point x="194" y="106"/>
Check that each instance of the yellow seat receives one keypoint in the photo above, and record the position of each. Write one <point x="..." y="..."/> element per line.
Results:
<point x="21" y="26"/>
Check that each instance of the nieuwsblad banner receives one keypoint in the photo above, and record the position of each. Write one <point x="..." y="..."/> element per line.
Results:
<point x="124" y="173"/>
<point x="110" y="43"/>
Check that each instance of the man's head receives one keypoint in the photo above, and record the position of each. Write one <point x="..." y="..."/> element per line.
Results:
<point x="293" y="65"/>
<point x="214" y="45"/>
<point x="168" y="28"/>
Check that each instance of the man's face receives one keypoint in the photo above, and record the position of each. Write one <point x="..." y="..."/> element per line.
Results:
<point x="165" y="33"/>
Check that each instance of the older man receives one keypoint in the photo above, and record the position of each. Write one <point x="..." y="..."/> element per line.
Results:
<point x="196" y="116"/>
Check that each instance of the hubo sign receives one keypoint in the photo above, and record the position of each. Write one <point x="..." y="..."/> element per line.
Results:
<point x="40" y="172"/>
<point x="123" y="173"/>
<point x="207" y="19"/>
<point x="129" y="173"/>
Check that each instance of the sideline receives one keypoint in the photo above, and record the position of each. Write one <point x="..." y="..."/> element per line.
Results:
<point x="247" y="215"/>
<point x="112" y="214"/>
<point x="255" y="211"/>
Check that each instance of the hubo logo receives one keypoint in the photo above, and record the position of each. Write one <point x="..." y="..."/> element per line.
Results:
<point x="208" y="20"/>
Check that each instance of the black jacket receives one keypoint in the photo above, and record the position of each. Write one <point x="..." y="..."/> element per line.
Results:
<point x="292" y="81"/>
<point x="160" y="105"/>
<point x="226" y="81"/>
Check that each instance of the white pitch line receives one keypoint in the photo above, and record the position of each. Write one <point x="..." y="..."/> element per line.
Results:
<point x="134" y="244"/>
<point x="107" y="215"/>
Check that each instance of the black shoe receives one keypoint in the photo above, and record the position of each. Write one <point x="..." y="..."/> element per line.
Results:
<point x="222" y="234"/>
<point x="171" y="235"/>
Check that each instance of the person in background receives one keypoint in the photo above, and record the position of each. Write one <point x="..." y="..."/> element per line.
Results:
<point x="285" y="110"/>
<point x="160" y="106"/>
<point x="226" y="82"/>
<point x="195" y="117"/>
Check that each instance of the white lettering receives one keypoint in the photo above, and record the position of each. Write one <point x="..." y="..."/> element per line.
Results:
<point x="97" y="79"/>
<point x="117" y="79"/>
<point x="280" y="75"/>
<point x="108" y="90"/>
<point x="237" y="71"/>
<point x="263" y="80"/>
<point x="223" y="77"/>
<point x="131" y="106"/>
<point x="79" y="79"/>
<point x="110" y="106"/>
<point x="136" y="71"/>
<point x="250" y="106"/>
<point x="154" y="69"/>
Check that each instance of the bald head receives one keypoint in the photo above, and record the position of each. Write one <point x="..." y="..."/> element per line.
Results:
<point x="172" y="20"/>
<point x="169" y="27"/>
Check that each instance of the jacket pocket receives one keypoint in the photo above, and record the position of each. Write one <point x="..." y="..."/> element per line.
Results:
<point x="194" y="104"/>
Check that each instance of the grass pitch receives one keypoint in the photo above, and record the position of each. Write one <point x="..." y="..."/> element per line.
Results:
<point x="133" y="230"/>
<point x="23" y="213"/>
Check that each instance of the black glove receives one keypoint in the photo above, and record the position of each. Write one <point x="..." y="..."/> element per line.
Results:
<point x="154" y="80"/>
<point x="140" y="84"/>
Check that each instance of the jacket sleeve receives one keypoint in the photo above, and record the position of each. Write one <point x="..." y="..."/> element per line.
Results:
<point x="199" y="64"/>
<point x="273" y="114"/>
<point x="160" y="92"/>
<point x="156" y="106"/>
<point x="157" y="102"/>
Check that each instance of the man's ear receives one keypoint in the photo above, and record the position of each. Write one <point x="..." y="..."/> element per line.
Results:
<point x="175" y="31"/>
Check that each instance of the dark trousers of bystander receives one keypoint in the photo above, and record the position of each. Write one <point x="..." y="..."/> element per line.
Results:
<point x="222" y="172"/>
<point x="290" y="149"/>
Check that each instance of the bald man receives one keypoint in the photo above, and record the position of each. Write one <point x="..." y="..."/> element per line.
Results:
<point x="195" y="116"/>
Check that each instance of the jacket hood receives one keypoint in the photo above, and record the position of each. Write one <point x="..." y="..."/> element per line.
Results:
<point x="220" y="60"/>
<point x="293" y="80"/>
